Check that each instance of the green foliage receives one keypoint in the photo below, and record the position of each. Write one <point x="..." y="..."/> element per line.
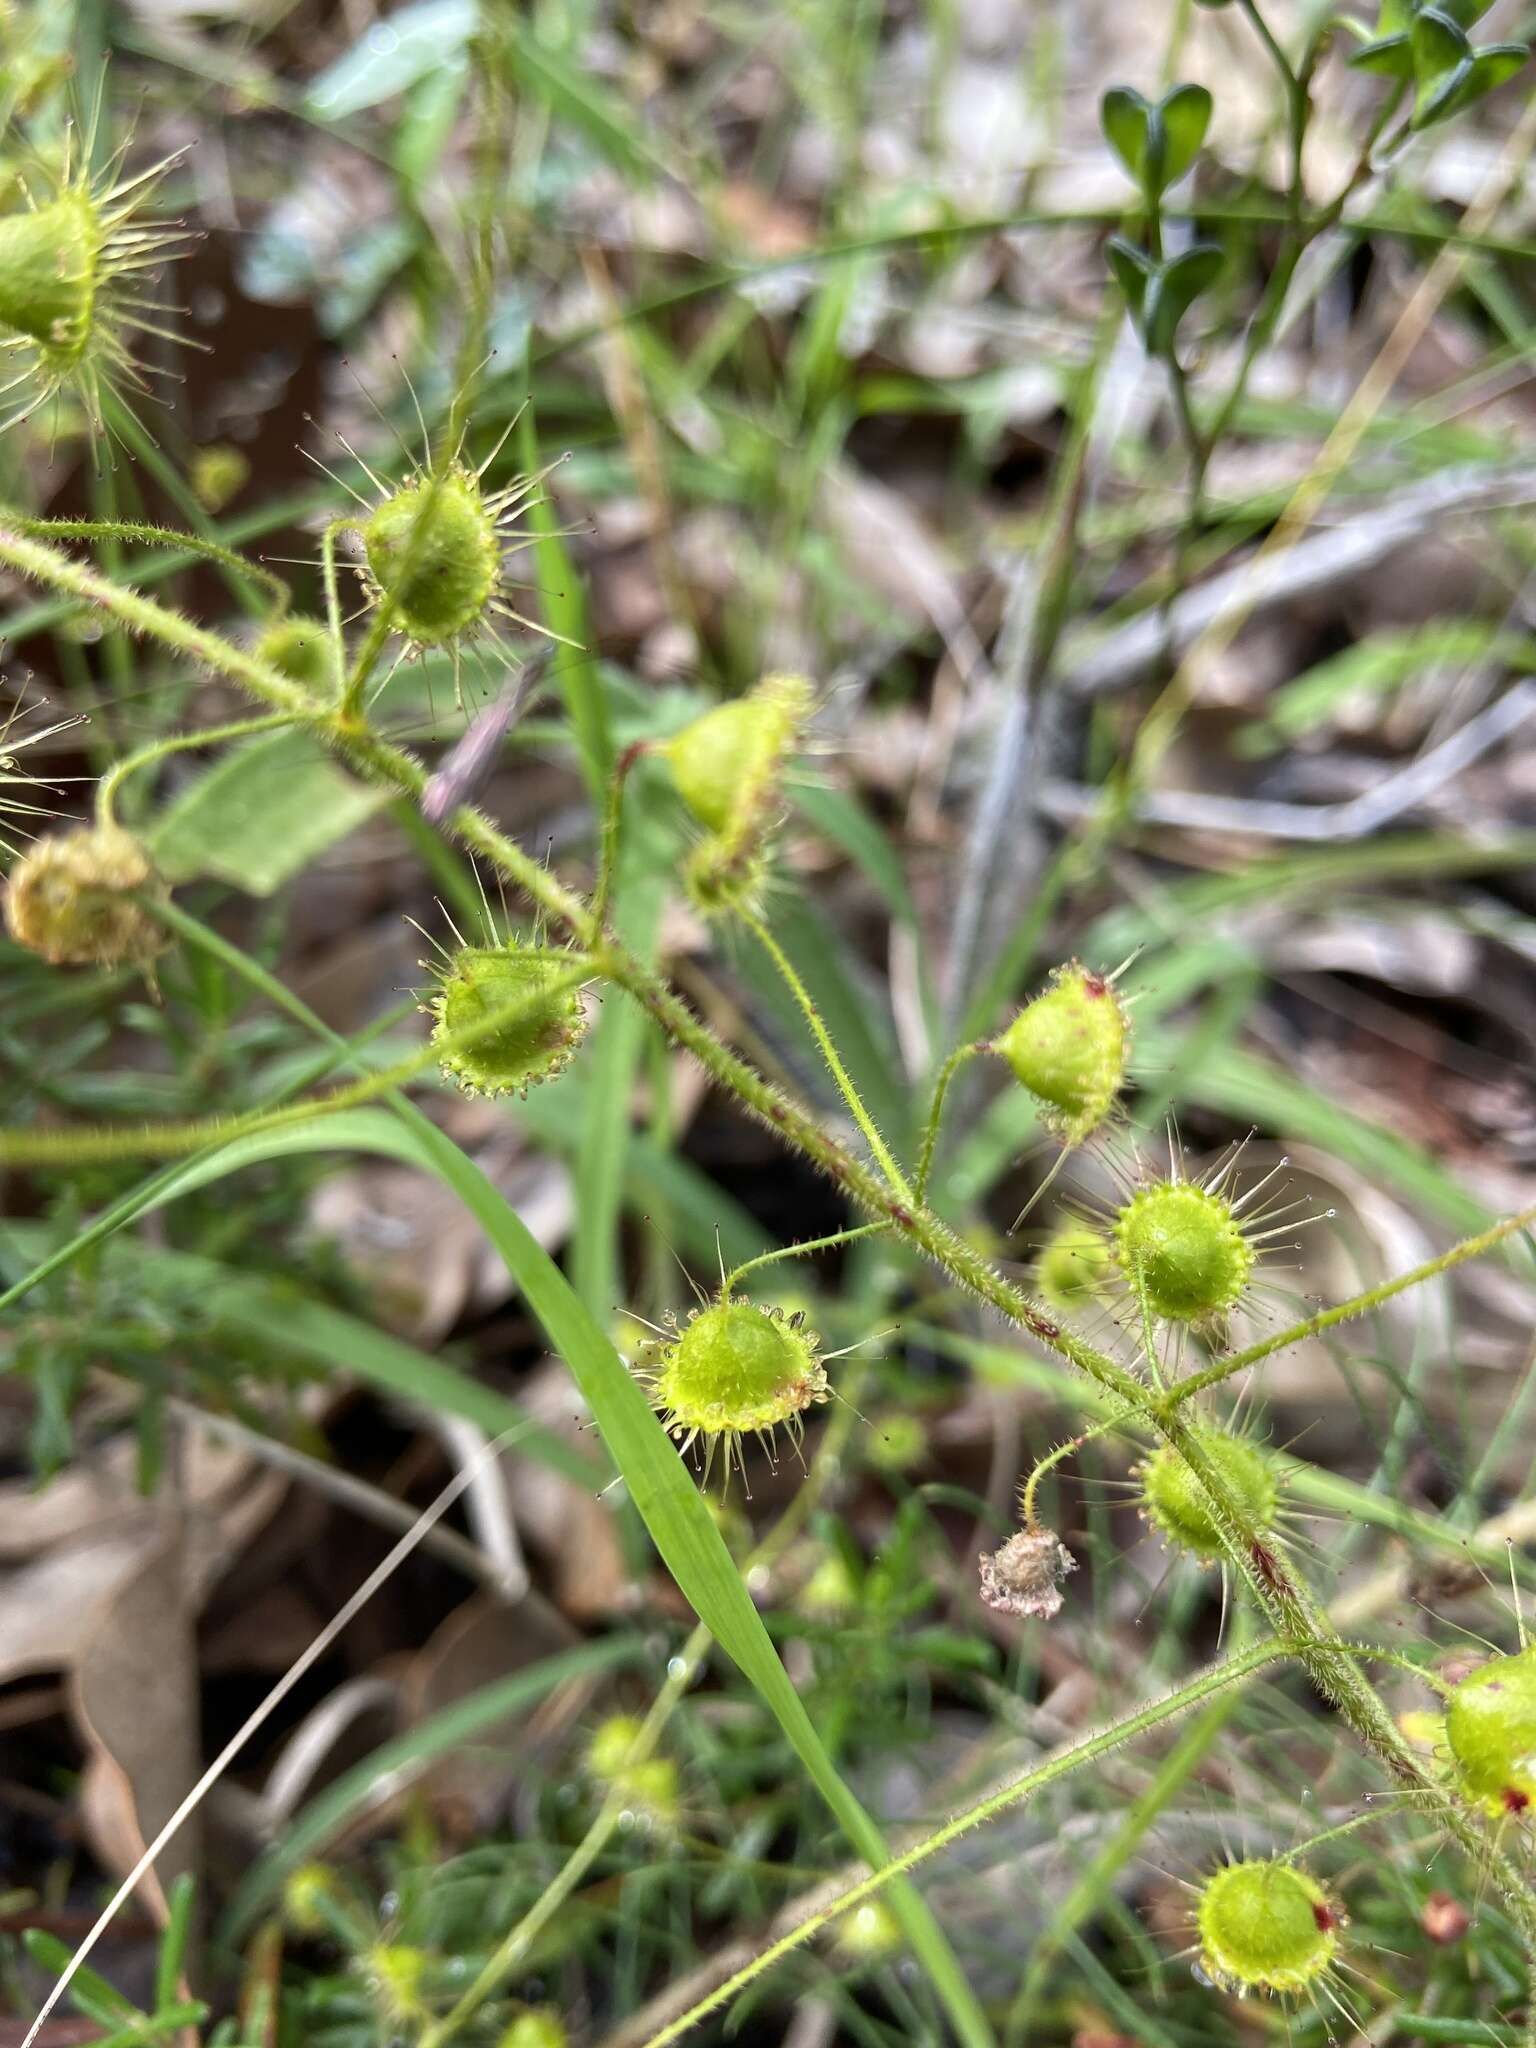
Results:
<point x="793" y="1660"/>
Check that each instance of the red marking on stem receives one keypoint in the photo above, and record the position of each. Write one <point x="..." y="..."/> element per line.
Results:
<point x="1267" y="1565"/>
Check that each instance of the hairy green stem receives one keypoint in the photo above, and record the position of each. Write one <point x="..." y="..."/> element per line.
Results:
<point x="1289" y="1605"/>
<point x="177" y="743"/>
<point x="883" y="1155"/>
<point x="946" y="1074"/>
<point x="1362" y="1304"/>
<point x="174" y="1141"/>
<point x="155" y="536"/>
<point x="1049" y="1773"/>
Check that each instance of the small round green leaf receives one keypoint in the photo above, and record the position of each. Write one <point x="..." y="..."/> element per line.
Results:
<point x="1186" y="112"/>
<point x="1179" y="284"/>
<point x="1133" y="271"/>
<point x="1124" y="116"/>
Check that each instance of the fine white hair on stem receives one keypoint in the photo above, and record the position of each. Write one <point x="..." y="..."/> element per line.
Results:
<point x="384" y="1570"/>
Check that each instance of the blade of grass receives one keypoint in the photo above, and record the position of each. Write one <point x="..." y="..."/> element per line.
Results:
<point x="669" y="1503"/>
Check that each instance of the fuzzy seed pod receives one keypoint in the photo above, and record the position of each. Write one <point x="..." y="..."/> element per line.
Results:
<point x="647" y="1785"/>
<point x="307" y="1894"/>
<point x="1024" y="1576"/>
<point x="536" y="2027"/>
<point x="73" y="266"/>
<point x="1173" y="1501"/>
<point x="72" y="900"/>
<point x="734" y="1369"/>
<point x="1490" y="1725"/>
<point x="728" y="761"/>
<point x="1068" y="1049"/>
<point x="728" y="766"/>
<point x="868" y="1934"/>
<point x="436" y="556"/>
<point x="399" y="1975"/>
<point x="1188" y="1249"/>
<point x="1073" y="1268"/>
<point x="1266" y="1926"/>
<point x="535" y="1042"/>
<point x="299" y="648"/>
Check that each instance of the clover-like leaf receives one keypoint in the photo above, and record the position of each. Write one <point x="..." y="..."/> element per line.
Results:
<point x="1171" y="293"/>
<point x="1186" y="115"/>
<point x="1481" y="73"/>
<point x="1133" y="271"/>
<point x="1156" y="142"/>
<point x="1125" y="116"/>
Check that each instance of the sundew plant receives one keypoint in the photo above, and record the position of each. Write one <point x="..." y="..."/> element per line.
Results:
<point x="795" y="703"/>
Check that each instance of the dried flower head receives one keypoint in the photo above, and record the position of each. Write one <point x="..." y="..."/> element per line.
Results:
<point x="73" y="900"/>
<point x="1024" y="1577"/>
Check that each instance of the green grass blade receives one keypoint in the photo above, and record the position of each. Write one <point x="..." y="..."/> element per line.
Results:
<point x="659" y="1483"/>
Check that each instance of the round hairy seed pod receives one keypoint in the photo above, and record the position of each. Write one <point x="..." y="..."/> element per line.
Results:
<point x="1490" y="1725"/>
<point x="1187" y="1249"/>
<point x="75" y="261"/>
<point x="399" y="1976"/>
<point x="736" y="1368"/>
<point x="536" y="1039"/>
<point x="727" y="763"/>
<point x="1266" y="1926"/>
<point x="1173" y="1501"/>
<point x="868" y="1934"/>
<point x="1074" y="1267"/>
<point x="49" y="271"/>
<point x="72" y="900"/>
<point x="536" y="2027"/>
<point x="1068" y="1048"/>
<point x="647" y="1785"/>
<point x="298" y="647"/>
<point x="432" y="549"/>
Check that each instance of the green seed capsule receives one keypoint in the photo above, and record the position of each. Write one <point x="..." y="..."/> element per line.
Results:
<point x="298" y="647"/>
<point x="399" y="1976"/>
<point x="1074" y="1267"/>
<point x="1490" y="1725"/>
<point x="727" y="763"/>
<point x="1185" y="1246"/>
<point x="539" y="2027"/>
<point x="736" y="1368"/>
<point x="49" y="269"/>
<point x="71" y="899"/>
<point x="648" y="1785"/>
<point x="536" y="1040"/>
<point x="1173" y="1500"/>
<point x="436" y="555"/>
<point x="1068" y="1048"/>
<point x="1266" y="1927"/>
<point x="76" y="267"/>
